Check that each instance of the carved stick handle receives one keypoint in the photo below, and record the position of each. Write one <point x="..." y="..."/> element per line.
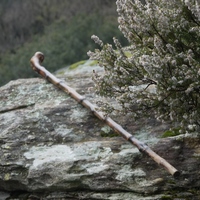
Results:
<point x="36" y="61"/>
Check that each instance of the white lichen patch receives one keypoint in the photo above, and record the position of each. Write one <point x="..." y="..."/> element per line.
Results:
<point x="9" y="117"/>
<point x="78" y="115"/>
<point x="96" y="168"/>
<point x="145" y="136"/>
<point x="43" y="155"/>
<point x="105" y="153"/>
<point x="106" y="129"/>
<point x="127" y="174"/>
<point x="147" y="183"/>
<point x="51" y="102"/>
<point x="139" y="172"/>
<point x="125" y="152"/>
<point x="63" y="130"/>
<point x="92" y="151"/>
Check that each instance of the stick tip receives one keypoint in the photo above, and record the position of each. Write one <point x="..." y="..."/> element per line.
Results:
<point x="176" y="174"/>
<point x="40" y="56"/>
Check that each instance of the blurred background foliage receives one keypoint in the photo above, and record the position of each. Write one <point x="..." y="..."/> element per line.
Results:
<point x="61" y="29"/>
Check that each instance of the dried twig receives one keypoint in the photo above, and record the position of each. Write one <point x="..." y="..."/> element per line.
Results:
<point x="36" y="61"/>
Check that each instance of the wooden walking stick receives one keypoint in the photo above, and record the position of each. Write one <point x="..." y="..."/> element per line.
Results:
<point x="36" y="61"/>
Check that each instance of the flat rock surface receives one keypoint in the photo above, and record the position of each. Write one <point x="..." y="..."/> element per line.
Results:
<point x="51" y="147"/>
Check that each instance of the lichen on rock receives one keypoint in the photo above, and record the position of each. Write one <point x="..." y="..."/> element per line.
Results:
<point x="52" y="147"/>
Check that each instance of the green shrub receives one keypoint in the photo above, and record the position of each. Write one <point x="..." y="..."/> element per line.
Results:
<point x="161" y="73"/>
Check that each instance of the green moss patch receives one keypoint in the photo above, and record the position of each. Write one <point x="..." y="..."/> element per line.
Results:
<point x="172" y="132"/>
<point x="75" y="65"/>
<point x="93" y="63"/>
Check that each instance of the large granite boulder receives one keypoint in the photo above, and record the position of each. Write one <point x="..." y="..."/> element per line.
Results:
<point x="53" y="148"/>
